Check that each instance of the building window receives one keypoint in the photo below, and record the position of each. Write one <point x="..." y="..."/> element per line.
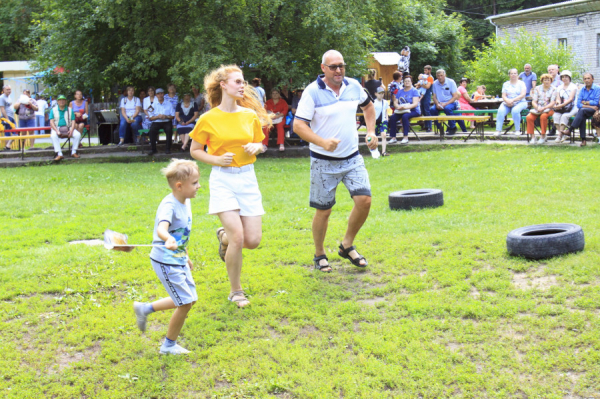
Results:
<point x="562" y="42"/>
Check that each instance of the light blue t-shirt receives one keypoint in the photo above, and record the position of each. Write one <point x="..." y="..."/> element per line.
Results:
<point x="444" y="92"/>
<point x="179" y="217"/>
<point x="514" y="90"/>
<point x="528" y="80"/>
<point x="408" y="97"/>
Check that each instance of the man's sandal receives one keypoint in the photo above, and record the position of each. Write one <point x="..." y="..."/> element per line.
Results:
<point x="237" y="297"/>
<point x="345" y="253"/>
<point x="317" y="261"/>
<point x="222" y="247"/>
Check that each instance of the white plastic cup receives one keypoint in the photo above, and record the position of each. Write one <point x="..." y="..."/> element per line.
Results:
<point x="374" y="153"/>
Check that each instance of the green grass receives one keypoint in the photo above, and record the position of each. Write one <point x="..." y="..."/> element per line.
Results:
<point x="442" y="311"/>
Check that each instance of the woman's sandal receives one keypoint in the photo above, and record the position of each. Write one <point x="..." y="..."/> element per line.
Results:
<point x="237" y="297"/>
<point x="345" y="253"/>
<point x="222" y="247"/>
<point x="317" y="261"/>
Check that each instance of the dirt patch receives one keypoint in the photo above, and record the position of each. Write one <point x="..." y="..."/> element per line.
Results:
<point x="223" y="385"/>
<point x="524" y="282"/>
<point x="474" y="293"/>
<point x="308" y="331"/>
<point x="372" y="301"/>
<point x="453" y="346"/>
<point x="64" y="359"/>
<point x="88" y="242"/>
<point x="273" y="334"/>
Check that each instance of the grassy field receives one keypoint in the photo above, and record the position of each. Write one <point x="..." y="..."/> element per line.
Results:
<point x="441" y="312"/>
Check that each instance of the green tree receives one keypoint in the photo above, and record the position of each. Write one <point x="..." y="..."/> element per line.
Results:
<point x="434" y="38"/>
<point x="16" y="42"/>
<point x="103" y="43"/>
<point x="492" y="63"/>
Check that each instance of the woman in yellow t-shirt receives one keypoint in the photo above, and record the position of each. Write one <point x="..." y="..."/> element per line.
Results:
<point x="232" y="131"/>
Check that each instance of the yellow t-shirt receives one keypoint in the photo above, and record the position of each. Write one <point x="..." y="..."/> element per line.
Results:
<point x="227" y="132"/>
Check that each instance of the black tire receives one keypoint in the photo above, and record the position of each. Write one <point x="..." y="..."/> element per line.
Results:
<point x="423" y="198"/>
<point x="545" y="240"/>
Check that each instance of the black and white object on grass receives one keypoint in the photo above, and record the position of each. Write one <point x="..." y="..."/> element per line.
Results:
<point x="545" y="240"/>
<point x="421" y="198"/>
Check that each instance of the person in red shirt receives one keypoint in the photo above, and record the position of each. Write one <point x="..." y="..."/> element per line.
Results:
<point x="278" y="110"/>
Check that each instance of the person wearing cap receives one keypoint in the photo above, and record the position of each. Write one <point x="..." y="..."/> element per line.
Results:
<point x="62" y="125"/>
<point x="161" y="116"/>
<point x="587" y="104"/>
<point x="381" y="117"/>
<point x="464" y="101"/>
<point x="529" y="78"/>
<point x="542" y="102"/>
<point x="565" y="106"/>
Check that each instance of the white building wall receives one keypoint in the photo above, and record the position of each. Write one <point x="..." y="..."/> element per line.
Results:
<point x="581" y="31"/>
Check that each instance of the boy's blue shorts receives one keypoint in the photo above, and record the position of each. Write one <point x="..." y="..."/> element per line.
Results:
<point x="178" y="282"/>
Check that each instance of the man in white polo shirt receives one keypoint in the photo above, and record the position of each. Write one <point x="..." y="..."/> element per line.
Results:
<point x="326" y="118"/>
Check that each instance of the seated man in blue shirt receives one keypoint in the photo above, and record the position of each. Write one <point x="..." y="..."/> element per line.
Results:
<point x="445" y="97"/>
<point x="587" y="103"/>
<point x="161" y="115"/>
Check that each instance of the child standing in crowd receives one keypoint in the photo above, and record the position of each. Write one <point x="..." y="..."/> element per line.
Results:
<point x="171" y="262"/>
<point x="233" y="133"/>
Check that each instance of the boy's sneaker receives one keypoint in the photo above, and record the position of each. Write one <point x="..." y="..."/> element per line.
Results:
<point x="140" y="317"/>
<point x="404" y="141"/>
<point x="392" y="141"/>
<point x="173" y="350"/>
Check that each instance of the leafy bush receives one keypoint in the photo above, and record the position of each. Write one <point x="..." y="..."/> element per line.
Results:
<point x="492" y="63"/>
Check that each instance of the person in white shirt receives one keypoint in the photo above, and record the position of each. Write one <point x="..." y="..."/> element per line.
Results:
<point x="40" y="114"/>
<point x="161" y="115"/>
<point x="326" y="118"/>
<point x="148" y="106"/>
<point x="381" y="118"/>
<point x="131" y="108"/>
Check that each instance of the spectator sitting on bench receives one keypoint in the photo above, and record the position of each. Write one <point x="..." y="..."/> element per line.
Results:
<point x="513" y="96"/>
<point x="587" y="103"/>
<point x="162" y="116"/>
<point x="565" y="106"/>
<point x="80" y="108"/>
<point x="409" y="107"/>
<point x="62" y="124"/>
<point x="543" y="101"/>
<point x="445" y="96"/>
<point x="7" y="111"/>
<point x="186" y="114"/>
<point x="278" y="110"/>
<point x="131" y="107"/>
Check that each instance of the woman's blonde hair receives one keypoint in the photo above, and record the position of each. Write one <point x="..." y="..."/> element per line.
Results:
<point x="545" y="76"/>
<point x="214" y="93"/>
<point x="372" y="73"/>
<point x="179" y="170"/>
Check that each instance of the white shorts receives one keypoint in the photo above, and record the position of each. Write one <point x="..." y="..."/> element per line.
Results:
<point x="234" y="189"/>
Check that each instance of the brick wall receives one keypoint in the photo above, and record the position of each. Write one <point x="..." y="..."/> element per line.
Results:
<point x="584" y="38"/>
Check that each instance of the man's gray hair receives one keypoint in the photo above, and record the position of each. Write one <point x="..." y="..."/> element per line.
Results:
<point x="527" y="65"/>
<point x="440" y="71"/>
<point x="328" y="53"/>
<point x="5" y="87"/>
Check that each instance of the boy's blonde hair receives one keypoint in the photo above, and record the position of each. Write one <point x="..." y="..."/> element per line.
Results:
<point x="179" y="170"/>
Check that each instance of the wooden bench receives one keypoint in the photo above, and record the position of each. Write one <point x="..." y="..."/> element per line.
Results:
<point x="444" y="119"/>
<point x="20" y="140"/>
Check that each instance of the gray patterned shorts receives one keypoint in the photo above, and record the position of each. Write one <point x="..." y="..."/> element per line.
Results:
<point x="325" y="175"/>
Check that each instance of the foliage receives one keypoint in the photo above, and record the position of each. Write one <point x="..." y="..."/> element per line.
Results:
<point x="441" y="312"/>
<point x="434" y="38"/>
<point x="493" y="61"/>
<point x="15" y="20"/>
<point x="145" y="42"/>
<point x="474" y="13"/>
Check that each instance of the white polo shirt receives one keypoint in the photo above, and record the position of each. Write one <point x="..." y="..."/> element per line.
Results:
<point x="333" y="116"/>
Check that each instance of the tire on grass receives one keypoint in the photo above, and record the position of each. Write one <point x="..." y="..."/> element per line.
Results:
<point x="421" y="198"/>
<point x="545" y="240"/>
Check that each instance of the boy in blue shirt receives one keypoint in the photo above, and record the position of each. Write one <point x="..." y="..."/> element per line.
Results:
<point x="169" y="257"/>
